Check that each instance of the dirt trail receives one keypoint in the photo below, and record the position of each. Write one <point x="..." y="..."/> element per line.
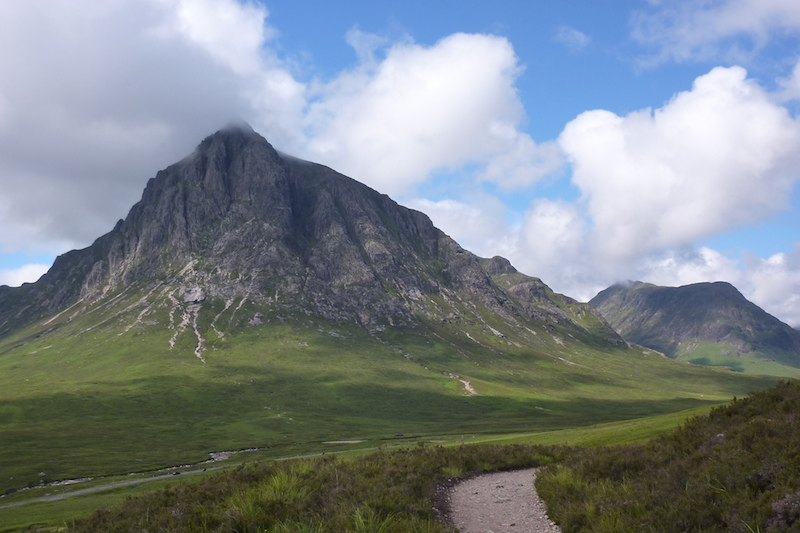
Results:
<point x="503" y="502"/>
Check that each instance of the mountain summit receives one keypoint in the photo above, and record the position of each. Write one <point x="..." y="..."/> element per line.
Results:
<point x="237" y="220"/>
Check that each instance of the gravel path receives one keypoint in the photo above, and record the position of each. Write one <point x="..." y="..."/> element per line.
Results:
<point x="503" y="502"/>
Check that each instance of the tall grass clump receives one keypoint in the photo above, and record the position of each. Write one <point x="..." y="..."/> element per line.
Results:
<point x="734" y="470"/>
<point x="386" y="492"/>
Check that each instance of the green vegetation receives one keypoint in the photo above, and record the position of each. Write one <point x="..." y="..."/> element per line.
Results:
<point x="734" y="470"/>
<point x="725" y="355"/>
<point x="62" y="511"/>
<point x="52" y="515"/>
<point x="387" y="491"/>
<point x="99" y="390"/>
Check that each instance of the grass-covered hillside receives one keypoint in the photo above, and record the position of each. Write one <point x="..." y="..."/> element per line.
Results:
<point x="118" y="387"/>
<point x="383" y="492"/>
<point x="735" y="470"/>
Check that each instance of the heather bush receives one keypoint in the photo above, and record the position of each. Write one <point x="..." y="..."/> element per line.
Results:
<point x="734" y="470"/>
<point x="387" y="492"/>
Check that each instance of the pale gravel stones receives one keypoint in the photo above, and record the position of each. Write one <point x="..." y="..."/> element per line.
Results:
<point x="503" y="502"/>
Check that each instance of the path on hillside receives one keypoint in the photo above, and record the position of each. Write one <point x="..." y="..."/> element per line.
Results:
<point x="502" y="502"/>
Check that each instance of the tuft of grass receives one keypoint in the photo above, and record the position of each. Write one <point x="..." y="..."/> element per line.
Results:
<point x="366" y="520"/>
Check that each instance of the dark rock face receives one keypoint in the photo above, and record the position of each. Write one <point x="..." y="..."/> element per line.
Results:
<point x="664" y="318"/>
<point x="237" y="218"/>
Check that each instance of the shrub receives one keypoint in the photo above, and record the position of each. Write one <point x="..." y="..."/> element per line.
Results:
<point x="735" y="470"/>
<point x="384" y="492"/>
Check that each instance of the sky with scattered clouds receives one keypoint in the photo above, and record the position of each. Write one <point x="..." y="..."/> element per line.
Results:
<point x="588" y="142"/>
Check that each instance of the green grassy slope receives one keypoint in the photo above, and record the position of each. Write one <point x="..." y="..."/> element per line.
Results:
<point x="56" y="513"/>
<point x="99" y="389"/>
<point x="388" y="492"/>
<point x="734" y="470"/>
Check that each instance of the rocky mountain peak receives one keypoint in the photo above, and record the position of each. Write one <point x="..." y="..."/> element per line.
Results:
<point x="236" y="219"/>
<point x="497" y="266"/>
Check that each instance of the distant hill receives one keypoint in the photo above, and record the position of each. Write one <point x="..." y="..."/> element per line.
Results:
<point x="705" y="323"/>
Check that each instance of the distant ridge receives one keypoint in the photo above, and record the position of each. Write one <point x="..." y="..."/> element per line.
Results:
<point x="705" y="323"/>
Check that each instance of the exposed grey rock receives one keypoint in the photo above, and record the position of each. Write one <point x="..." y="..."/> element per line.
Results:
<point x="236" y="219"/>
<point x="193" y="294"/>
<point x="499" y="265"/>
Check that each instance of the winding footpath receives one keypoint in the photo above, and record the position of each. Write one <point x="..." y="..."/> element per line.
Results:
<point x="502" y="502"/>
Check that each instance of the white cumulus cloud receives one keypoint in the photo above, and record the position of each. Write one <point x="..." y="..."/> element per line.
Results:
<point x="686" y="265"/>
<point x="774" y="284"/>
<point x="479" y="224"/>
<point x="231" y="32"/>
<point x="98" y="96"/>
<point x="390" y="123"/>
<point x="714" y="158"/>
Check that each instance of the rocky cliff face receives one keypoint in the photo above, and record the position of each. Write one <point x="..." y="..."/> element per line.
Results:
<point x="238" y="219"/>
<point x="672" y="319"/>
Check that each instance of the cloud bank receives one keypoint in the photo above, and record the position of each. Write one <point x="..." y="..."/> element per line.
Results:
<point x="654" y="182"/>
<point x="717" y="157"/>
<point x="97" y="96"/>
<point x="15" y="277"/>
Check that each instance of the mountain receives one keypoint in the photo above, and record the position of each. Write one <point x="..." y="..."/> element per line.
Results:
<point x="705" y="323"/>
<point x="238" y="221"/>
<point x="254" y="300"/>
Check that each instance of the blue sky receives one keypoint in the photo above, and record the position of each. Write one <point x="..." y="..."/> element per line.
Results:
<point x="589" y="142"/>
